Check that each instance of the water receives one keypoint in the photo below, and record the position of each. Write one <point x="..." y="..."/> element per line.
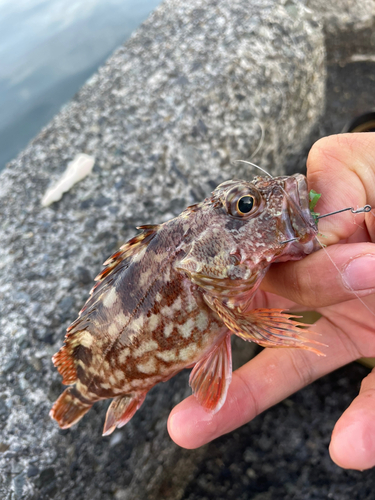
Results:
<point x="48" y="49"/>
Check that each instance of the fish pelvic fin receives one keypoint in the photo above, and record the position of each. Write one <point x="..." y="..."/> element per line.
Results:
<point x="69" y="408"/>
<point x="266" y="327"/>
<point x="211" y="376"/>
<point x="121" y="410"/>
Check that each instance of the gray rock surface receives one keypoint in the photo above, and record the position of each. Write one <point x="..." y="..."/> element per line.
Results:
<point x="349" y="28"/>
<point x="347" y="14"/>
<point x="189" y="93"/>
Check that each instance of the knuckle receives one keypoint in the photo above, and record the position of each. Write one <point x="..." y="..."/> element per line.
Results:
<point x="328" y="149"/>
<point x="304" y="288"/>
<point x="302" y="368"/>
<point x="251" y="400"/>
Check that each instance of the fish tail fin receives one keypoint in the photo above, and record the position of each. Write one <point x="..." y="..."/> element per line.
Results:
<point x="69" y="408"/>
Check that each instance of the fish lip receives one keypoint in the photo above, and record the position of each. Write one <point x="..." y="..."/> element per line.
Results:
<point x="297" y="220"/>
<point x="299" y="206"/>
<point x="307" y="247"/>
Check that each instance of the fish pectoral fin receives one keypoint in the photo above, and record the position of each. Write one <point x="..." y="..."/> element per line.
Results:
<point x="121" y="410"/>
<point x="266" y="327"/>
<point x="211" y="376"/>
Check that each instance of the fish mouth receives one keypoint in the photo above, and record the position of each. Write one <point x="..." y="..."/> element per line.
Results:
<point x="299" y="227"/>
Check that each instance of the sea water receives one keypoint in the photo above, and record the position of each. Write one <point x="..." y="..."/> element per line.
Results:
<point x="48" y="49"/>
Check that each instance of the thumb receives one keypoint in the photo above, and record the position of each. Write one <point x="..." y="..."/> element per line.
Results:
<point x="353" y="438"/>
<point x="325" y="277"/>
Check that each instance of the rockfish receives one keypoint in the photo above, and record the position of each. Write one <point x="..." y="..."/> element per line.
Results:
<point x="172" y="296"/>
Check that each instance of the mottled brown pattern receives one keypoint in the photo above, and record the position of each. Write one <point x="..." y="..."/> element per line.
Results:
<point x="163" y="301"/>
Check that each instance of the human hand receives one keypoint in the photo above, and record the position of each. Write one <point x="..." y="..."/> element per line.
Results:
<point x="342" y="168"/>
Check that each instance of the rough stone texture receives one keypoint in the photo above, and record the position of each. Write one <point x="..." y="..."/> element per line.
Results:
<point x="347" y="14"/>
<point x="349" y="28"/>
<point x="190" y="92"/>
<point x="349" y="33"/>
<point x="283" y="453"/>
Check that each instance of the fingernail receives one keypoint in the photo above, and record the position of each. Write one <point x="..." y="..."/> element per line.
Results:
<point x="359" y="273"/>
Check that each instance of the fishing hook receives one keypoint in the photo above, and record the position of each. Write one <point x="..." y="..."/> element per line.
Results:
<point x="366" y="208"/>
<point x="288" y="241"/>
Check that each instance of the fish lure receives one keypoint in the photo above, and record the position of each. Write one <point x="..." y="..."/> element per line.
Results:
<point x="172" y="296"/>
<point x="313" y="200"/>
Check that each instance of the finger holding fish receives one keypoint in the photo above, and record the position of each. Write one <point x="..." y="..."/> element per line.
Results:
<point x="270" y="377"/>
<point x="339" y="282"/>
<point x="314" y="282"/>
<point x="342" y="168"/>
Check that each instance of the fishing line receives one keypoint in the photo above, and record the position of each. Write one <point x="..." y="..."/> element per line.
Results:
<point x="365" y="209"/>
<point x="256" y="166"/>
<point x="261" y="140"/>
<point x="343" y="278"/>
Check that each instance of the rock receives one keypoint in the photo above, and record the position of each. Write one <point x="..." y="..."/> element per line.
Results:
<point x="199" y="85"/>
<point x="349" y="29"/>
<point x="349" y="15"/>
<point x="83" y="275"/>
<point x="32" y="471"/>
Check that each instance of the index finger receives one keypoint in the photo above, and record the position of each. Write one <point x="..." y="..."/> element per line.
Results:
<point x="264" y="381"/>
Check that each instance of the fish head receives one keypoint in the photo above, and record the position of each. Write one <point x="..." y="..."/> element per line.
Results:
<point x="244" y="227"/>
<point x="262" y="216"/>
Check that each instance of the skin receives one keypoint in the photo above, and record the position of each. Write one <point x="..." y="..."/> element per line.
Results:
<point x="342" y="168"/>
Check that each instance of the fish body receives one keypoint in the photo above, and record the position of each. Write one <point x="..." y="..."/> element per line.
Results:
<point x="171" y="297"/>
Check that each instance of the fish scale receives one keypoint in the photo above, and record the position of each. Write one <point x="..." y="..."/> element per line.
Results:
<point x="171" y="297"/>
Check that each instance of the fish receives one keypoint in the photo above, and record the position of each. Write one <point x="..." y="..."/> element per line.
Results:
<point x="173" y="295"/>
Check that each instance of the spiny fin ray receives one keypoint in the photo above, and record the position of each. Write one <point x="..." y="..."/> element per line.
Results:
<point x="64" y="362"/>
<point x="266" y="327"/>
<point x="65" y="359"/>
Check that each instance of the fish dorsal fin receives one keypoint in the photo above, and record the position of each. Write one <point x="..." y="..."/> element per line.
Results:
<point x="266" y="327"/>
<point x="117" y="262"/>
<point x="211" y="376"/>
<point x="77" y="340"/>
<point x="127" y="251"/>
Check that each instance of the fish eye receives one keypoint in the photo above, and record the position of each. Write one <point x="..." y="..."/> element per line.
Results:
<point x="243" y="201"/>
<point x="245" y="204"/>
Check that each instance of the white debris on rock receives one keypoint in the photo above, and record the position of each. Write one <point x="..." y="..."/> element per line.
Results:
<point x="76" y="170"/>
